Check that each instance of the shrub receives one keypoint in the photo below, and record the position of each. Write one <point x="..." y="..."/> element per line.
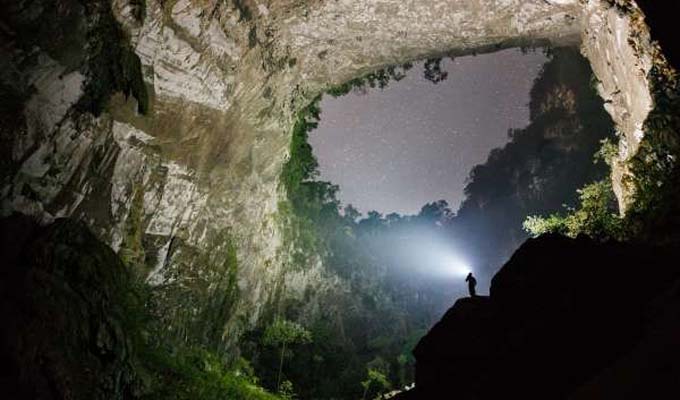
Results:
<point x="595" y="216"/>
<point x="190" y="373"/>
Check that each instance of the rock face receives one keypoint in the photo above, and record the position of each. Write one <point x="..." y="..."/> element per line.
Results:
<point x="62" y="301"/>
<point x="178" y="190"/>
<point x="566" y="318"/>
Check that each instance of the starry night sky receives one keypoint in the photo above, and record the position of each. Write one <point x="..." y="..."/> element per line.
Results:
<point x="415" y="142"/>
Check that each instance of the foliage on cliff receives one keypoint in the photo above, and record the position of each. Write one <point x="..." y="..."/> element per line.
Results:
<point x="194" y="366"/>
<point x="655" y="212"/>
<point x="80" y="325"/>
<point x="193" y="373"/>
<point x="312" y="205"/>
<point x="596" y="216"/>
<point x="540" y="170"/>
<point x="377" y="79"/>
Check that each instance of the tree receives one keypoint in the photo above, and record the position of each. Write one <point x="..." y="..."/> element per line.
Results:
<point x="435" y="211"/>
<point x="283" y="333"/>
<point x="433" y="70"/>
<point x="372" y="222"/>
<point x="351" y="213"/>
<point x="374" y="377"/>
<point x="393" y="218"/>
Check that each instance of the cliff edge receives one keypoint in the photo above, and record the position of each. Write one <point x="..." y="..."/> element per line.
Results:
<point x="566" y="318"/>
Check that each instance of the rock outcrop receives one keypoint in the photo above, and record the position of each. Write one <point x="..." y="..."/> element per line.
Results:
<point x="64" y="299"/>
<point x="178" y="189"/>
<point x="566" y="318"/>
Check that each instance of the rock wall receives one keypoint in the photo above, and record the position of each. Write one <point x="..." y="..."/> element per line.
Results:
<point x="176" y="190"/>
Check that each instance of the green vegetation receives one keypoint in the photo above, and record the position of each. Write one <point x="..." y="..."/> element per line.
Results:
<point x="595" y="216"/>
<point x="608" y="151"/>
<point x="655" y="213"/>
<point x="189" y="374"/>
<point x="169" y="368"/>
<point x="132" y="250"/>
<point x="302" y="165"/>
<point x="379" y="79"/>
<point x="196" y="307"/>
<point x="375" y="378"/>
<point x="432" y="71"/>
<point x="311" y="205"/>
<point x="283" y="333"/>
<point x="544" y="164"/>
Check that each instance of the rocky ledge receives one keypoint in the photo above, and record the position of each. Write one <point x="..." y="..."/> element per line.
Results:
<point x="566" y="318"/>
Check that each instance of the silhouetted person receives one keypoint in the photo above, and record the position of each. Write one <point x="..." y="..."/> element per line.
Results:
<point x="472" y="284"/>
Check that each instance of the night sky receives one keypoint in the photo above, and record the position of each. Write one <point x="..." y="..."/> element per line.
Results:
<point x="415" y="142"/>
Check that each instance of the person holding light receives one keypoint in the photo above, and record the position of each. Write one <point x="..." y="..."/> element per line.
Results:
<point x="472" y="284"/>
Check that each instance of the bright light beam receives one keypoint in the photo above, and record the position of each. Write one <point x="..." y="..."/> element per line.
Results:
<point x="455" y="266"/>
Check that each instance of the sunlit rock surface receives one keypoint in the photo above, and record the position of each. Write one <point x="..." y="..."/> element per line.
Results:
<point x="173" y="190"/>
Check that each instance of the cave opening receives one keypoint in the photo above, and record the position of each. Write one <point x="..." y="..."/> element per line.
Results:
<point x="442" y="136"/>
<point x="158" y="242"/>
<point x="407" y="178"/>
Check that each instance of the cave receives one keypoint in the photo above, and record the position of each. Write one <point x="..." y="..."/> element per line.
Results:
<point x="151" y="245"/>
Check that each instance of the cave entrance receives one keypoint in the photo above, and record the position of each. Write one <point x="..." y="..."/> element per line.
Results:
<point x="441" y="178"/>
<point x="473" y="144"/>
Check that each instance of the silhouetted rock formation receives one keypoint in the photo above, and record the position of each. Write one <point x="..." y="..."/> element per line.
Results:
<point x="64" y="331"/>
<point x="566" y="318"/>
